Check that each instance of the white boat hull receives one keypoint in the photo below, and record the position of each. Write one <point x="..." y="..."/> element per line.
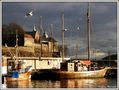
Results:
<point x="81" y="74"/>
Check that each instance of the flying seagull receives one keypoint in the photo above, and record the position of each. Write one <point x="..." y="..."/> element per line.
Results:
<point x="65" y="29"/>
<point x="78" y="28"/>
<point x="29" y="13"/>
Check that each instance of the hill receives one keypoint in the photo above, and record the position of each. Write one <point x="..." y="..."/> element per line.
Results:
<point x="111" y="57"/>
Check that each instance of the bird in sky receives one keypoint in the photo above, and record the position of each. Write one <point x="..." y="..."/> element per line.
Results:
<point x="78" y="28"/>
<point x="34" y="28"/>
<point x="29" y="13"/>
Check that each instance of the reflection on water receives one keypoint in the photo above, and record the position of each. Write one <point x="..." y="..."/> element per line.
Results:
<point x="84" y="83"/>
<point x="65" y="83"/>
<point x="19" y="84"/>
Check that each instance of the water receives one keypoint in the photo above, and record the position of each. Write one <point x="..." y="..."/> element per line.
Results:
<point x="65" y="83"/>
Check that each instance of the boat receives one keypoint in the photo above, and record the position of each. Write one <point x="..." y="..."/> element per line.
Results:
<point x="82" y="68"/>
<point x="16" y="75"/>
<point x="16" y="68"/>
<point x="84" y="74"/>
<point x="74" y="71"/>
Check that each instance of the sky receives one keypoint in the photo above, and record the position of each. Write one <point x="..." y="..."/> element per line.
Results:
<point x="103" y="24"/>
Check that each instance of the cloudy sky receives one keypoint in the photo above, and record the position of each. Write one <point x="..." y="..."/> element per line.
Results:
<point x="103" y="23"/>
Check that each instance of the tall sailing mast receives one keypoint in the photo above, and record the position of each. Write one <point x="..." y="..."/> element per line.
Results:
<point x="88" y="31"/>
<point x="41" y="29"/>
<point x="62" y="30"/>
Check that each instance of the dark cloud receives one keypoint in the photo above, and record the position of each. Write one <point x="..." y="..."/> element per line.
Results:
<point x="103" y="21"/>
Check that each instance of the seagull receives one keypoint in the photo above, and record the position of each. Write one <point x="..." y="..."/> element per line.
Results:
<point x="34" y="28"/>
<point x="29" y="14"/>
<point x="65" y="29"/>
<point x="78" y="28"/>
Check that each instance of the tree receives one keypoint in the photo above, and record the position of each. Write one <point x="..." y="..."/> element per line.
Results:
<point x="9" y="34"/>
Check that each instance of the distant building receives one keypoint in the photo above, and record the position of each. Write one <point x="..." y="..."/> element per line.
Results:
<point x="35" y="35"/>
<point x="49" y="44"/>
<point x="28" y="40"/>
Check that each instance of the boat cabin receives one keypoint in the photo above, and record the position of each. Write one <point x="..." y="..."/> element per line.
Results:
<point x="75" y="66"/>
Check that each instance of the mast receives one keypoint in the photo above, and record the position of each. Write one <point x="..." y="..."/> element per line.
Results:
<point x="16" y="44"/>
<point x="41" y="29"/>
<point x="62" y="30"/>
<point x="109" y="57"/>
<point x="76" y="48"/>
<point x="88" y="31"/>
<point x="76" y="51"/>
<point x="52" y="39"/>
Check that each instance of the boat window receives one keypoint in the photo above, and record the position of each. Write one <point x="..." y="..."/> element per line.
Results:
<point x="11" y="63"/>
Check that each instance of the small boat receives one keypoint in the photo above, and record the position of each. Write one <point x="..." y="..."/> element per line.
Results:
<point x="16" y="68"/>
<point x="21" y="74"/>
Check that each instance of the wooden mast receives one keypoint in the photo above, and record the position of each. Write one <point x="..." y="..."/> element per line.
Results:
<point x="109" y="57"/>
<point x="76" y="51"/>
<point x="62" y="30"/>
<point x="16" y="44"/>
<point x="52" y="42"/>
<point x="88" y="31"/>
<point x="41" y="29"/>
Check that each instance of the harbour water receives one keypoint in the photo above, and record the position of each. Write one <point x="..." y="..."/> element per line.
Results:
<point x="65" y="83"/>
